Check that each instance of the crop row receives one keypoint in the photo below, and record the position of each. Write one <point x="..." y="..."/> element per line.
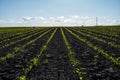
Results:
<point x="99" y="39"/>
<point x="110" y="31"/>
<point x="58" y="54"/>
<point x="96" y="48"/>
<point x="99" y="35"/>
<point x="18" y="36"/>
<point x="73" y="61"/>
<point x="17" y="49"/>
<point x="4" y="34"/>
<point x="11" y="41"/>
<point x="35" y="60"/>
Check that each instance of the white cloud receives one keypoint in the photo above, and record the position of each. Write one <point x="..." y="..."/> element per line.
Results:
<point x="11" y="21"/>
<point x="61" y="17"/>
<point x="39" y="18"/>
<point x="33" y="18"/>
<point x="28" y="18"/>
<point x="3" y="21"/>
<point x="75" y="17"/>
<point x="60" y="20"/>
<point x="51" y="18"/>
<point x="69" y="20"/>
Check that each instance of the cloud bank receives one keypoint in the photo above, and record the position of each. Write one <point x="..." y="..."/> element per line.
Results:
<point x="59" y="21"/>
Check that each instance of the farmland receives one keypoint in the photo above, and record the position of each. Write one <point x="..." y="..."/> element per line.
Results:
<point x="60" y="53"/>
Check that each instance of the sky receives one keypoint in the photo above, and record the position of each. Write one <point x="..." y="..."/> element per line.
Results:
<point x="59" y="12"/>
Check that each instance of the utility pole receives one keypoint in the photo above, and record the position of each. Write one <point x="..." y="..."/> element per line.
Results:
<point x="77" y="23"/>
<point x="83" y="23"/>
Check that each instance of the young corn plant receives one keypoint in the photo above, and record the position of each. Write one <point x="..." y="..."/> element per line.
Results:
<point x="17" y="49"/>
<point x="96" y="48"/>
<point x="34" y="62"/>
<point x="73" y="61"/>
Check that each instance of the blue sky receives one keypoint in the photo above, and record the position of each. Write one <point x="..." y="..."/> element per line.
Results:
<point x="39" y="12"/>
